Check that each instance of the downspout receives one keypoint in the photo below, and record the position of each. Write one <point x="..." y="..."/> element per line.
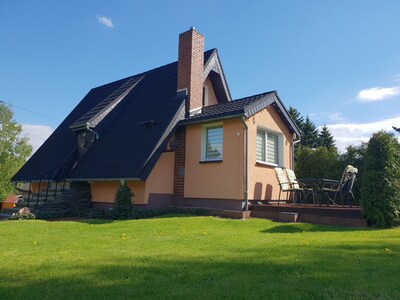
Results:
<point x="246" y="192"/>
<point x="294" y="143"/>
<point x="91" y="130"/>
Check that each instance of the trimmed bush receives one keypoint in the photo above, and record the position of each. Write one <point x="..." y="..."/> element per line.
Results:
<point x="380" y="190"/>
<point x="123" y="199"/>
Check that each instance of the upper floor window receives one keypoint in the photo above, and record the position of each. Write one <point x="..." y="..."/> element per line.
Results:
<point x="212" y="142"/>
<point x="269" y="148"/>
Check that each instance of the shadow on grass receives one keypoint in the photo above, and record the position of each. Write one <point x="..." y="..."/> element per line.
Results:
<point x="107" y="221"/>
<point x="305" y="227"/>
<point x="80" y="220"/>
<point x="254" y="276"/>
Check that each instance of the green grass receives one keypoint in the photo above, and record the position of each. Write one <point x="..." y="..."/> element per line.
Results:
<point x="196" y="257"/>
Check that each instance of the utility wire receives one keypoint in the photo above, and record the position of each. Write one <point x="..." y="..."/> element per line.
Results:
<point x="31" y="111"/>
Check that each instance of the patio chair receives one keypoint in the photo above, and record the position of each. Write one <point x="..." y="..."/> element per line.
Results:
<point x="298" y="188"/>
<point x="283" y="182"/>
<point x="344" y="187"/>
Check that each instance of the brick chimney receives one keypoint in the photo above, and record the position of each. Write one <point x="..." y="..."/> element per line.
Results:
<point x="191" y="67"/>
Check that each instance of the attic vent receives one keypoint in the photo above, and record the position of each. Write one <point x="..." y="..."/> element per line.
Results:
<point x="97" y="114"/>
<point x="148" y="124"/>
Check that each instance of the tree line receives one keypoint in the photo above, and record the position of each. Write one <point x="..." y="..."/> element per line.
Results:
<point x="377" y="188"/>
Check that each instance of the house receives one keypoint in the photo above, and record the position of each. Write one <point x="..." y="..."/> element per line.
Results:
<point x="174" y="134"/>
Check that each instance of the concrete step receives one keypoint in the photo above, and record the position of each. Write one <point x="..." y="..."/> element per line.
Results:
<point x="5" y="216"/>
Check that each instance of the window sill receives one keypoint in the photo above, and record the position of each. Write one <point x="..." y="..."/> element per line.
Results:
<point x="210" y="161"/>
<point x="263" y="163"/>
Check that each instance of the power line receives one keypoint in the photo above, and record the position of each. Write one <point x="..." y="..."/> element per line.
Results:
<point x="31" y="111"/>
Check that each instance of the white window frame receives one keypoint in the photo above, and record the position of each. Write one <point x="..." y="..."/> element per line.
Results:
<point x="204" y="141"/>
<point x="280" y="147"/>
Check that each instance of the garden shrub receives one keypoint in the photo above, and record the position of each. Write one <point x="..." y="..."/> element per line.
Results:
<point x="123" y="200"/>
<point x="380" y="190"/>
<point x="22" y="216"/>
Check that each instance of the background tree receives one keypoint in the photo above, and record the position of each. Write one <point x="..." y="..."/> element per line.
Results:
<point x="319" y="163"/>
<point x="296" y="116"/>
<point x="299" y="120"/>
<point x="380" y="190"/>
<point x="309" y="136"/>
<point x="325" y="138"/>
<point x="14" y="149"/>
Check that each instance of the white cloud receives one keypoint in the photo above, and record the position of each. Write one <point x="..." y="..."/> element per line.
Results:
<point x="396" y="78"/>
<point x="336" y="117"/>
<point x="325" y="117"/>
<point x="105" y="21"/>
<point x="377" y="94"/>
<point x="346" y="134"/>
<point x="37" y="134"/>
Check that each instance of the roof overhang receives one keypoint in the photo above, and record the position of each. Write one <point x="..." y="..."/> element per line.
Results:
<point x="265" y="100"/>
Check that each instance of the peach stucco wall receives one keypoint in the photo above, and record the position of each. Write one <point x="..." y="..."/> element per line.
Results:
<point x="161" y="178"/>
<point x="104" y="191"/>
<point x="37" y="187"/>
<point x="263" y="184"/>
<point x="212" y="99"/>
<point x="226" y="179"/>
<point x="215" y="180"/>
<point x="160" y="181"/>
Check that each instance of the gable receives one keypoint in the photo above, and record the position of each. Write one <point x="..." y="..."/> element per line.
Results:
<point x="244" y="107"/>
<point x="213" y="71"/>
<point x="209" y="97"/>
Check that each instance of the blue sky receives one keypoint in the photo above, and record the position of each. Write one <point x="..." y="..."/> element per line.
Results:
<point x="336" y="61"/>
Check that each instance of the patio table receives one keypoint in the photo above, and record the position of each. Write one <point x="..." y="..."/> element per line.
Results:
<point x="318" y="186"/>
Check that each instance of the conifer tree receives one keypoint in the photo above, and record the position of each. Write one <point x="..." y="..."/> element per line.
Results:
<point x="296" y="116"/>
<point x="325" y="138"/>
<point x="309" y="134"/>
<point x="380" y="188"/>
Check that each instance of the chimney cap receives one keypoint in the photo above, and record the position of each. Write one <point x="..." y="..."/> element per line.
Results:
<point x="192" y="28"/>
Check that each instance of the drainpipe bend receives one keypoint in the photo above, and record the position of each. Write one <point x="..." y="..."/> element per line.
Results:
<point x="294" y="143"/>
<point x="91" y="130"/>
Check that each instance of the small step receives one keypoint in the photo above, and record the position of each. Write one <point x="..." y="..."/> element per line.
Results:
<point x="4" y="216"/>
<point x="288" y="217"/>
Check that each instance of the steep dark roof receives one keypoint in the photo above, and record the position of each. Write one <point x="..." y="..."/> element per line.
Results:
<point x="134" y="117"/>
<point x="94" y="116"/>
<point x="128" y="142"/>
<point x="245" y="107"/>
<point x="132" y="133"/>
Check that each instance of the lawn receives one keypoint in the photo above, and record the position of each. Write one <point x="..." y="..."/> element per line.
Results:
<point x="196" y="257"/>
